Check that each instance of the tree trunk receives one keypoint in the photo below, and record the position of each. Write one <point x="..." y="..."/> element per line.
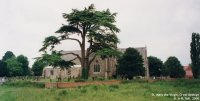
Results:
<point x="83" y="60"/>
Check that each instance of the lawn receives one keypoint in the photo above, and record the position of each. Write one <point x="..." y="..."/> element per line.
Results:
<point x="136" y="90"/>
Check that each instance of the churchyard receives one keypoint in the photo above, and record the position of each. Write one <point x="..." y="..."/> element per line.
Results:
<point x="128" y="90"/>
<point x="105" y="71"/>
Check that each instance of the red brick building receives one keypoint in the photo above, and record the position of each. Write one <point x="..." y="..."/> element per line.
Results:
<point x="188" y="72"/>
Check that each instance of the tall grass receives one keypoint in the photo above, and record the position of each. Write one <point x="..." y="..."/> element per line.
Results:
<point x="22" y="83"/>
<point x="127" y="91"/>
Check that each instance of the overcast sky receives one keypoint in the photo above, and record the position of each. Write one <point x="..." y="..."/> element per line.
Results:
<point x="164" y="26"/>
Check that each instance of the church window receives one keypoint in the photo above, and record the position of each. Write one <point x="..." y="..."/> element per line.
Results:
<point x="96" y="68"/>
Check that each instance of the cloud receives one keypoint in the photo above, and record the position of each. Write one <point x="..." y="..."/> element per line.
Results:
<point x="165" y="27"/>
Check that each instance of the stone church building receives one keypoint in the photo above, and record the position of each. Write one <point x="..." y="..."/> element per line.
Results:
<point x="99" y="67"/>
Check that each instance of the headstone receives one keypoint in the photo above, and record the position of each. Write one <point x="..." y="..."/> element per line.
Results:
<point x="2" y="80"/>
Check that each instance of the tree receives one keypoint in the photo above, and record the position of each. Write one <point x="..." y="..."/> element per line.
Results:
<point x="95" y="27"/>
<point x="130" y="64"/>
<point x="195" y="54"/>
<point x="24" y="61"/>
<point x="8" y="55"/>
<point x="174" y="67"/>
<point x="37" y="68"/>
<point x="54" y="59"/>
<point x="3" y="69"/>
<point x="14" y="67"/>
<point x="155" y="66"/>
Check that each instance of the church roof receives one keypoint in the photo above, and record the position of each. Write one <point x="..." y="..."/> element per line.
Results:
<point x="68" y="57"/>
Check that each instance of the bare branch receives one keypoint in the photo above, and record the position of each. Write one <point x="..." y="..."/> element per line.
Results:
<point x="90" y="61"/>
<point x="75" y="40"/>
<point x="73" y="59"/>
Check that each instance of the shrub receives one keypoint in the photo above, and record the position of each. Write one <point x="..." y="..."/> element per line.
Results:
<point x="63" y="93"/>
<point x="114" y="86"/>
<point x="95" y="87"/>
<point x="83" y="90"/>
<point x="52" y="90"/>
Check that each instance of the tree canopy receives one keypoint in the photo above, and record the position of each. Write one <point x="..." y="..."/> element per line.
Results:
<point x="155" y="66"/>
<point x="174" y="67"/>
<point x="3" y="69"/>
<point x="14" y="66"/>
<point x="24" y="61"/>
<point x="97" y="28"/>
<point x="8" y="55"/>
<point x="38" y="67"/>
<point x="195" y="54"/>
<point x="54" y="59"/>
<point x="130" y="64"/>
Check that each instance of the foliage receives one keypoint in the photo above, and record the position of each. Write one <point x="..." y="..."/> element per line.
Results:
<point x="54" y="59"/>
<point x="24" y="61"/>
<point x="114" y="86"/>
<point x="106" y="52"/>
<point x="63" y="92"/>
<point x="8" y="55"/>
<point x="14" y="67"/>
<point x="164" y="71"/>
<point x="95" y="27"/>
<point x="174" y="67"/>
<point x="195" y="54"/>
<point x="130" y="64"/>
<point x="155" y="66"/>
<point x="37" y="67"/>
<point x="3" y="69"/>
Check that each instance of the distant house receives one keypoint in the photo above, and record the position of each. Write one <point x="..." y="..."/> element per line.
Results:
<point x="188" y="72"/>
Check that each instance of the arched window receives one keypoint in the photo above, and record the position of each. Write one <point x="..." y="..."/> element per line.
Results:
<point x="97" y="68"/>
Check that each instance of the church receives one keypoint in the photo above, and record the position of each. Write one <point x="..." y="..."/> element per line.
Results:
<point x="99" y="67"/>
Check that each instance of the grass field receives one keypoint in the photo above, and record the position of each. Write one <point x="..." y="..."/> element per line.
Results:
<point x="126" y="91"/>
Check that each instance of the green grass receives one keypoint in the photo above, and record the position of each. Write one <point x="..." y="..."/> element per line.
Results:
<point x="137" y="90"/>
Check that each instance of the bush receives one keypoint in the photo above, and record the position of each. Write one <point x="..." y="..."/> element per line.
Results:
<point x="95" y="87"/>
<point x="114" y="86"/>
<point x="83" y="90"/>
<point x="52" y="90"/>
<point x="63" y="93"/>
